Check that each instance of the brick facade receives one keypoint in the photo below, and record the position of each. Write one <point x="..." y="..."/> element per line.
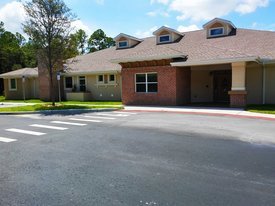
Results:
<point x="238" y="98"/>
<point x="173" y="86"/>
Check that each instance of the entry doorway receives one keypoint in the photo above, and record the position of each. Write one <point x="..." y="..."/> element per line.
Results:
<point x="222" y="81"/>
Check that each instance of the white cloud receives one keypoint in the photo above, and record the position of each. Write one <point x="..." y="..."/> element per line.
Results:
<point x="148" y="33"/>
<point x="192" y="27"/>
<point x="198" y="10"/>
<point x="80" y="25"/>
<point x="158" y="13"/>
<point x="13" y="15"/>
<point x="159" y="1"/>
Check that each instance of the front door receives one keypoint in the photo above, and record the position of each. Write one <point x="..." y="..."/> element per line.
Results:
<point x="222" y="85"/>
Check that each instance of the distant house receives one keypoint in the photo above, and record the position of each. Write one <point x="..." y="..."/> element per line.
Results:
<point x="220" y="63"/>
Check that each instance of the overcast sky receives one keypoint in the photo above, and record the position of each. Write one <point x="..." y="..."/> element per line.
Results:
<point x="141" y="17"/>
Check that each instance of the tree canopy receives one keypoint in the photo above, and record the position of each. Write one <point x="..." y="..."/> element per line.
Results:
<point x="98" y="41"/>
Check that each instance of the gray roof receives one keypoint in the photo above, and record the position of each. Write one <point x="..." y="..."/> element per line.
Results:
<point x="27" y="72"/>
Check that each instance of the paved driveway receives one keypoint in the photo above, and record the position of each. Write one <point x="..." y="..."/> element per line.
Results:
<point x="140" y="158"/>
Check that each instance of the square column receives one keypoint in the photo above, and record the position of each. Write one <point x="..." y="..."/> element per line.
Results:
<point x="238" y="91"/>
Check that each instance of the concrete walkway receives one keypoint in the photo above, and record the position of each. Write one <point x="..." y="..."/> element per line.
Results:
<point x="14" y="104"/>
<point x="236" y="112"/>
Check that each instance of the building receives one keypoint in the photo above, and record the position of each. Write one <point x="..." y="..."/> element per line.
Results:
<point x="220" y="63"/>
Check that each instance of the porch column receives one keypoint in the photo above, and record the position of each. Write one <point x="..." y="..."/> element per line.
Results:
<point x="238" y="91"/>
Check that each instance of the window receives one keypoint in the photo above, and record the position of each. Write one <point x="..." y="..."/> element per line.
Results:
<point x="123" y="44"/>
<point x="164" y="38"/>
<point x="68" y="82"/>
<point x="100" y="79"/>
<point x="13" y="85"/>
<point x="147" y="82"/>
<point x="111" y="78"/>
<point x="216" y="31"/>
<point x="82" y="83"/>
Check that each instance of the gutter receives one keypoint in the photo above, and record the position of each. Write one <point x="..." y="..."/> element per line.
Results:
<point x="215" y="61"/>
<point x="147" y="58"/>
<point x="68" y="73"/>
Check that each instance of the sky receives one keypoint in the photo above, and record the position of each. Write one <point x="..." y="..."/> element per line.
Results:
<point x="140" y="18"/>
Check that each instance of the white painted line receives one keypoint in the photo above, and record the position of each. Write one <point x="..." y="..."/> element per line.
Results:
<point x="96" y="117"/>
<point x="31" y="116"/>
<point x="7" y="140"/>
<point x="26" y="132"/>
<point x="112" y="115"/>
<point x="117" y="112"/>
<point x="68" y="123"/>
<point x="48" y="127"/>
<point x="85" y="120"/>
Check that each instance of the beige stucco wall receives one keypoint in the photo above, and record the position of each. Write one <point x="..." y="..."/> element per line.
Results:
<point x="31" y="89"/>
<point x="201" y="86"/>
<point x="238" y="76"/>
<point x="254" y="83"/>
<point x="109" y="91"/>
<point x="270" y="84"/>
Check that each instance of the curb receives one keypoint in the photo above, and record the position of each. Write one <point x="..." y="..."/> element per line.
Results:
<point x="67" y="111"/>
<point x="207" y="114"/>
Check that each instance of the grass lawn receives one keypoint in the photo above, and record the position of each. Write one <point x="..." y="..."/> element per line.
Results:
<point x="42" y="106"/>
<point x="266" y="109"/>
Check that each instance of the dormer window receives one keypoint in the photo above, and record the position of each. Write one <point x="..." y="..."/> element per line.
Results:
<point x="164" y="38"/>
<point x="124" y="41"/>
<point x="216" y="31"/>
<point x="167" y="35"/>
<point x="123" y="44"/>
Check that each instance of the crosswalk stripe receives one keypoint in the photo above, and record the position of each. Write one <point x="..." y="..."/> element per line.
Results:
<point x="48" y="127"/>
<point x="68" y="123"/>
<point x="31" y="116"/>
<point x="85" y="120"/>
<point x="7" y="140"/>
<point x="112" y="115"/>
<point x="25" y="132"/>
<point x="96" y="117"/>
<point x="117" y="112"/>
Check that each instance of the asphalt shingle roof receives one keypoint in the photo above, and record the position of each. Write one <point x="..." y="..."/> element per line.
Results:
<point x="27" y="72"/>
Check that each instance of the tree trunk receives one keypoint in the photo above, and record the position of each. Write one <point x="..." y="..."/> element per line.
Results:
<point x="52" y="87"/>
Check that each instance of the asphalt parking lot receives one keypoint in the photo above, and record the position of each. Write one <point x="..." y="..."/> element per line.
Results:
<point x="136" y="158"/>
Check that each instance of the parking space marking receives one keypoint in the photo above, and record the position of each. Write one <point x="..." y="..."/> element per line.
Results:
<point x="7" y="140"/>
<point x="98" y="117"/>
<point x="85" y="120"/>
<point x="48" y="127"/>
<point x="117" y="112"/>
<point x="31" y="116"/>
<point x="68" y="123"/>
<point x="25" y="132"/>
<point x="112" y="115"/>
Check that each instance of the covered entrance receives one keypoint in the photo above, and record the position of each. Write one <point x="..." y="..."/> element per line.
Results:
<point x="222" y="81"/>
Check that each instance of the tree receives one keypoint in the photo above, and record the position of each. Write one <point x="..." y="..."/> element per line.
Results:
<point x="48" y="24"/>
<point x="98" y="41"/>
<point x="81" y="39"/>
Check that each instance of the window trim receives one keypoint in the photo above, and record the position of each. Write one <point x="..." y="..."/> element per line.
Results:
<point x="13" y="89"/>
<point x="121" y="47"/>
<point x="67" y="88"/>
<point x="146" y="83"/>
<point x="85" y="78"/>
<point x="161" y="42"/>
<point x="100" y="82"/>
<point x="216" y="34"/>
<point x="109" y="81"/>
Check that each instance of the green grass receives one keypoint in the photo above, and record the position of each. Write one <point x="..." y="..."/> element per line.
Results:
<point x="266" y="109"/>
<point x="43" y="107"/>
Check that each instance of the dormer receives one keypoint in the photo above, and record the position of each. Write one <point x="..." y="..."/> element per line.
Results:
<point x="219" y="27"/>
<point x="167" y="35"/>
<point x="124" y="41"/>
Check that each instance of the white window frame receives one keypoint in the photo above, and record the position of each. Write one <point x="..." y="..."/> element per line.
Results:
<point x="170" y="38"/>
<point x="109" y="81"/>
<point x="123" y="46"/>
<point x="13" y="89"/>
<point x="100" y="82"/>
<point x="67" y="88"/>
<point x="146" y="82"/>
<point x="215" y="29"/>
<point x="79" y="82"/>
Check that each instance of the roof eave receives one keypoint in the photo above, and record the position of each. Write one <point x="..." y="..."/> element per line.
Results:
<point x="215" y="61"/>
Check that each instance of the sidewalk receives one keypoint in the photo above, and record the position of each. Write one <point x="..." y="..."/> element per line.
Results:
<point x="235" y="112"/>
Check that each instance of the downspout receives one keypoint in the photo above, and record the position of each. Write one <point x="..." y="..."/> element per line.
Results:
<point x="264" y="83"/>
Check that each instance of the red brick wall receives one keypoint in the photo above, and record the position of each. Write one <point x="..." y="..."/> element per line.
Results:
<point x="169" y="92"/>
<point x="237" y="100"/>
